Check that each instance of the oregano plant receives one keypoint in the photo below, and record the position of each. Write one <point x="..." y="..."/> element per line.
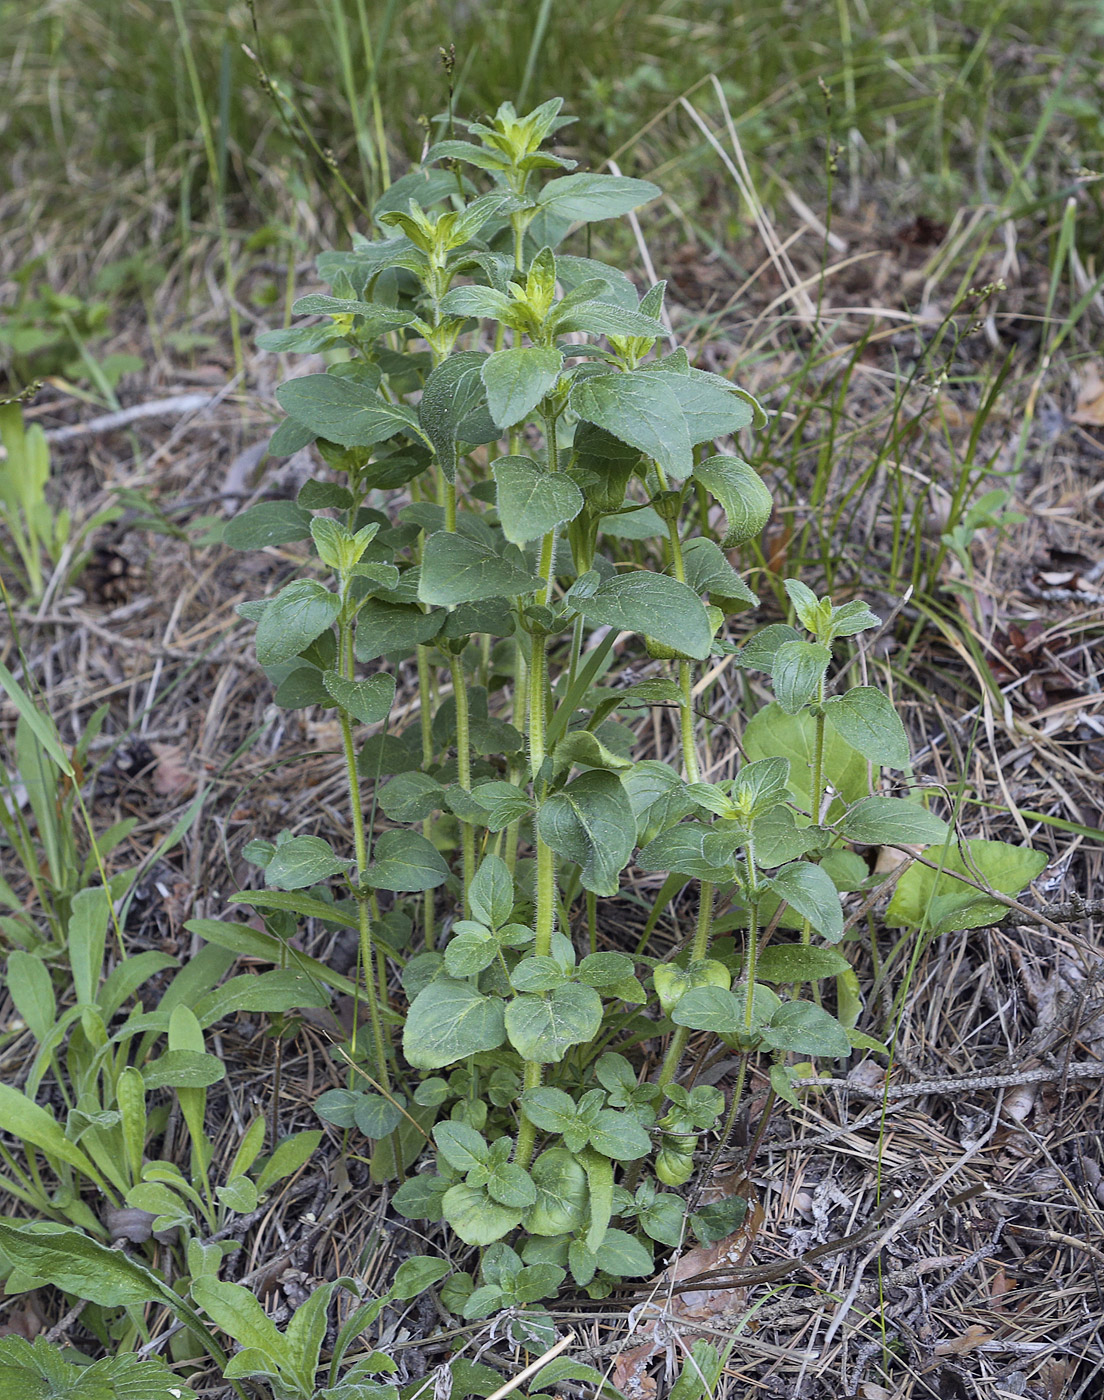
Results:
<point x="520" y="470"/>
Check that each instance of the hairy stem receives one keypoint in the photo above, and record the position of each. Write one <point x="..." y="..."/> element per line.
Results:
<point x="463" y="769"/>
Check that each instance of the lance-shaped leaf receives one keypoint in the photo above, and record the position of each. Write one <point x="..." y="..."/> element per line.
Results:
<point x="516" y="380"/>
<point x="532" y="500"/>
<point x="452" y="393"/>
<point x="654" y="604"/>
<point x="345" y="412"/>
<point x="746" y="502"/>
<point x="640" y="409"/>
<point x="591" y="822"/>
<point x="456" y="569"/>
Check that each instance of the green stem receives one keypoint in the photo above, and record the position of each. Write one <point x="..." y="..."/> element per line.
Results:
<point x="463" y="768"/>
<point x="753" y="937"/>
<point x="364" y="918"/>
<point x="698" y="950"/>
<point x="817" y="793"/>
<point x="425" y="705"/>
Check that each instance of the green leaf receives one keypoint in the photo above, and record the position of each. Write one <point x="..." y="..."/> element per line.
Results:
<point x="81" y="1266"/>
<point x="411" y="797"/>
<point x="343" y="411"/>
<point x="892" y="820"/>
<point x="746" y="502"/>
<point x="798" y="670"/>
<point x="532" y="500"/>
<point x="511" y="1185"/>
<point x="448" y="1021"/>
<point x="652" y="604"/>
<point x="640" y="409"/>
<point x="451" y="395"/>
<point x="599" y="317"/>
<point x="808" y="1030"/>
<point x="293" y="619"/>
<point x="809" y="890"/>
<point x="702" y="852"/>
<point x="36" y="1371"/>
<point x="708" y="571"/>
<point x="271" y="522"/>
<point x="183" y="1069"/>
<point x="406" y="862"/>
<point x="238" y="1313"/>
<point x="778" y="838"/>
<point x="302" y="861"/>
<point x="591" y="822"/>
<point x="543" y="1028"/>
<point x="587" y="197"/>
<point x="619" y="1136"/>
<point x="28" y="1122"/>
<point x="415" y="1275"/>
<point x="469" y="951"/>
<point x="369" y="701"/>
<point x="32" y="991"/>
<point x="475" y="1217"/>
<point x="516" y="380"/>
<point x="936" y="901"/>
<point x="383" y="627"/>
<point x="537" y="974"/>
<point x="709" y="1008"/>
<point x="502" y="802"/>
<point x="269" y="992"/>
<point x="866" y="719"/>
<point x="460" y="1145"/>
<point x="624" y="1256"/>
<point x="290" y="1154"/>
<point x="562" y="1193"/>
<point x="798" y="962"/>
<point x="492" y="892"/>
<point x="717" y="1221"/>
<point x="456" y="569"/>
<point x="771" y="732"/>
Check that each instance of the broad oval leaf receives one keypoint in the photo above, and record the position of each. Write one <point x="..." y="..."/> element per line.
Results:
<point x="591" y="822"/>
<point x="798" y="670"/>
<point x="293" y="619"/>
<point x="808" y="1030"/>
<point x="865" y="719"/>
<point x="809" y="890"/>
<point x="640" y="409"/>
<point x="368" y="701"/>
<point x="456" y="569"/>
<point x="532" y="500"/>
<point x="406" y="862"/>
<point x="476" y="1218"/>
<point x="652" y="604"/>
<point x="517" y="379"/>
<point x="302" y="861"/>
<point x="892" y="820"/>
<point x="744" y="498"/>
<point x="344" y="411"/>
<point x="448" y="1021"/>
<point x="543" y="1028"/>
<point x="799" y="962"/>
